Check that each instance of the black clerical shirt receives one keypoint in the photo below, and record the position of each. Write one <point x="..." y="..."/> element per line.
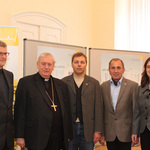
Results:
<point x="56" y="134"/>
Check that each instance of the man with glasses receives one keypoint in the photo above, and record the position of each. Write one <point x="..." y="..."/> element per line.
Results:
<point x="6" y="102"/>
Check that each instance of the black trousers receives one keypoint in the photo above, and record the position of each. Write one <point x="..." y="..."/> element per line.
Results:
<point x="7" y="148"/>
<point x="54" y="143"/>
<point x="145" y="139"/>
<point x="118" y="145"/>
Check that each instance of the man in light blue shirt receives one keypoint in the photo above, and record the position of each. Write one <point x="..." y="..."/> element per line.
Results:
<point x="118" y="96"/>
<point x="115" y="89"/>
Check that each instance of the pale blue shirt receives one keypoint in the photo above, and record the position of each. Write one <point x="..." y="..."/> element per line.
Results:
<point x="115" y="91"/>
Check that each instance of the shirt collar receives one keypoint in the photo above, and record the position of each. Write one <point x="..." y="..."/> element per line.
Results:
<point x="145" y="88"/>
<point x="43" y="79"/>
<point x="119" y="82"/>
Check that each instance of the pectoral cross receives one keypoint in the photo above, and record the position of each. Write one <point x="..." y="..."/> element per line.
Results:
<point x="54" y="106"/>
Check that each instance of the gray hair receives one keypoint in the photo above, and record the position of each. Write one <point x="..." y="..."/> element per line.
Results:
<point x="46" y="55"/>
<point x="116" y="59"/>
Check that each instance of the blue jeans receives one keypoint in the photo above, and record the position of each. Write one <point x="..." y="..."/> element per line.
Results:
<point x="79" y="139"/>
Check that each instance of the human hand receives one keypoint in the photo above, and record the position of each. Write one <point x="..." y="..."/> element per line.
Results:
<point x="102" y="140"/>
<point x="97" y="137"/>
<point x="20" y="142"/>
<point x="135" y="139"/>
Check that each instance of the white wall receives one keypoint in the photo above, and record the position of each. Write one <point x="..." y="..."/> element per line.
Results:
<point x="89" y="23"/>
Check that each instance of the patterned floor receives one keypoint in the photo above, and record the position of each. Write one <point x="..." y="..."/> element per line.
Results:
<point x="99" y="147"/>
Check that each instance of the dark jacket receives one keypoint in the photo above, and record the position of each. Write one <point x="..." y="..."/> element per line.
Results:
<point x="6" y="117"/>
<point x="33" y="112"/>
<point x="91" y="104"/>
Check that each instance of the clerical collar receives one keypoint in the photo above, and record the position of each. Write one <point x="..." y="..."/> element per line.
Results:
<point x="46" y="79"/>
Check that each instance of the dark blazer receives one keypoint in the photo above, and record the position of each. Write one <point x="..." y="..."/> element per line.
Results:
<point x="33" y="112"/>
<point x="118" y="123"/>
<point x="6" y="117"/>
<point x="91" y="104"/>
<point x="141" y="117"/>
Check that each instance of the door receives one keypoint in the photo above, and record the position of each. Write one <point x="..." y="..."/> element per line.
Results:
<point x="37" y="26"/>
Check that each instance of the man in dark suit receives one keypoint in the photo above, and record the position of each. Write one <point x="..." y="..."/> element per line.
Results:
<point x="84" y="94"/>
<point x="42" y="109"/>
<point x="118" y="97"/>
<point x="6" y="102"/>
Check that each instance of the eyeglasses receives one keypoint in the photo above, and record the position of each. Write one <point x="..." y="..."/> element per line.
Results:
<point x="5" y="54"/>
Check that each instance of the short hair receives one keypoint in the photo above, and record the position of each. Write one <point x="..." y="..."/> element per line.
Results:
<point x="78" y="54"/>
<point x="46" y="55"/>
<point x="116" y="59"/>
<point x="3" y="44"/>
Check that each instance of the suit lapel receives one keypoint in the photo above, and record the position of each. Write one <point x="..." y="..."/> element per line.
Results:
<point x="10" y="87"/>
<point x="109" y="92"/>
<point x="40" y="86"/>
<point x="59" y="94"/>
<point x="86" y="83"/>
<point x="71" y="84"/>
<point x="123" y="87"/>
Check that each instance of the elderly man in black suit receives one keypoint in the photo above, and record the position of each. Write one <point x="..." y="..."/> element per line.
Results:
<point x="42" y="109"/>
<point x="6" y="102"/>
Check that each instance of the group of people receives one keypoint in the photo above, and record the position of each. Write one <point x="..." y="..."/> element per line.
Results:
<point x="75" y="112"/>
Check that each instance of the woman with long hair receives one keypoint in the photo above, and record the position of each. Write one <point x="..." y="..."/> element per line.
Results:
<point x="141" y="117"/>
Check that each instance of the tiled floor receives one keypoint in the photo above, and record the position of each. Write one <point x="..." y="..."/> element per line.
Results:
<point x="99" y="147"/>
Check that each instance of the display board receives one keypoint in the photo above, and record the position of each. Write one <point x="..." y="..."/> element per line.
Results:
<point x="99" y="63"/>
<point x="61" y="52"/>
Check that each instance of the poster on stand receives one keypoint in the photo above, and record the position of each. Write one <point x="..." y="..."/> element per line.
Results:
<point x="9" y="35"/>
